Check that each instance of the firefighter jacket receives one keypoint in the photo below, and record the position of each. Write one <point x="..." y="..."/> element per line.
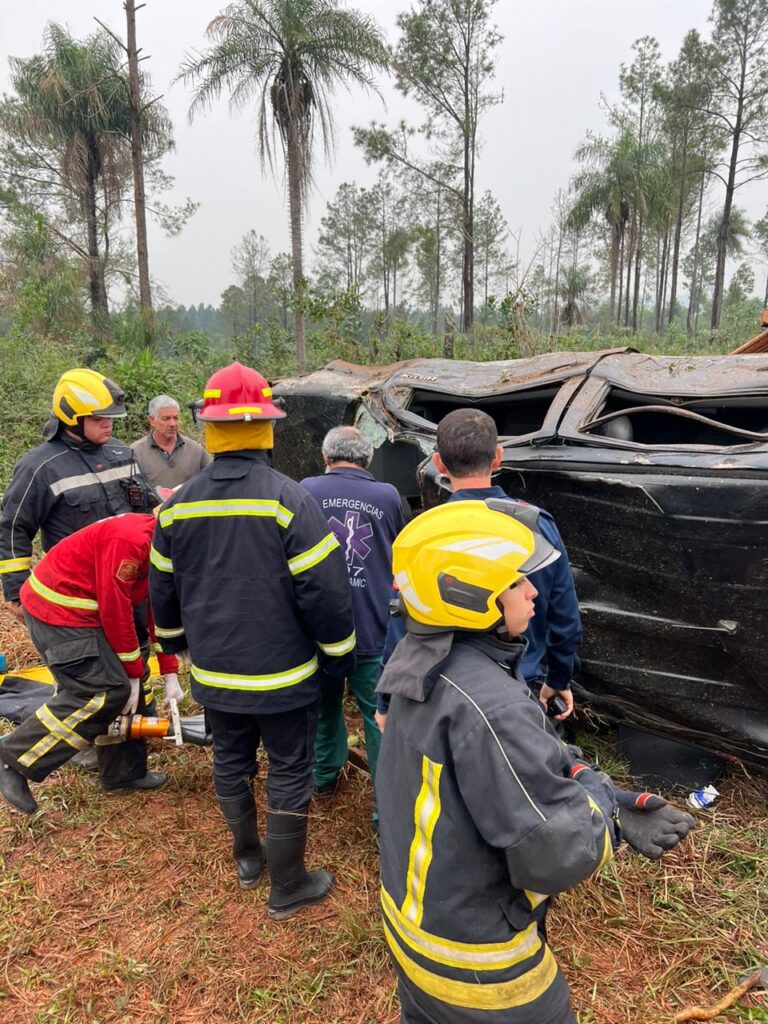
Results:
<point x="480" y="821"/>
<point x="58" y="488"/>
<point x="96" y="578"/>
<point x="247" y="575"/>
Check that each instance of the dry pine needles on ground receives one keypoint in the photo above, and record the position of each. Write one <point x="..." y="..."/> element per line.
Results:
<point x="125" y="908"/>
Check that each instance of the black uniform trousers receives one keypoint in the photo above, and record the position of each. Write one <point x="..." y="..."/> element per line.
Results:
<point x="289" y="741"/>
<point x="124" y="762"/>
<point x="416" y="1007"/>
<point x="92" y="689"/>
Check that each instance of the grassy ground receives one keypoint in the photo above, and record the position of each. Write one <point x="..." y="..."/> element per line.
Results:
<point x="125" y="908"/>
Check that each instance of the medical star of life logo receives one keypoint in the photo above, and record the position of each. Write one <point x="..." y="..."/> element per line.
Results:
<point x="352" y="535"/>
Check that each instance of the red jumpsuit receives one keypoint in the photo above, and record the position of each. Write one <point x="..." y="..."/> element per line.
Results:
<point x="79" y="605"/>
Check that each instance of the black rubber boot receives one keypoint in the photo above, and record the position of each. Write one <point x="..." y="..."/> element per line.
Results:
<point x="15" y="788"/>
<point x="293" y="887"/>
<point x="240" y="815"/>
<point x="150" y="780"/>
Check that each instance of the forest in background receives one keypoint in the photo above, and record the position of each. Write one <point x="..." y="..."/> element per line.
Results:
<point x="648" y="244"/>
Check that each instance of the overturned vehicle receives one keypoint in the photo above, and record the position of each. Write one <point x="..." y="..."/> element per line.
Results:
<point x="656" y="471"/>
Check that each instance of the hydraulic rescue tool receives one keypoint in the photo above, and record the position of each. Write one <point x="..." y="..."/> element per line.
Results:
<point x="174" y="728"/>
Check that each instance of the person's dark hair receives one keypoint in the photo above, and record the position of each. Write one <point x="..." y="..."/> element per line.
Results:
<point x="466" y="442"/>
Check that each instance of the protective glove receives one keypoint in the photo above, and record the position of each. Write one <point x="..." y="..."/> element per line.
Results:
<point x="133" y="701"/>
<point x="173" y="690"/>
<point x="649" y="824"/>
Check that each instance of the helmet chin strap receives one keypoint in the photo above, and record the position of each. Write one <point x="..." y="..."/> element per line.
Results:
<point x="77" y="429"/>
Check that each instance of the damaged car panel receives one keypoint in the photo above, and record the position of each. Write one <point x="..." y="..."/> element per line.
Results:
<point x="656" y="471"/>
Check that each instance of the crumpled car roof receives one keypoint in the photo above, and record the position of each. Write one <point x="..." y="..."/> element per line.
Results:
<point x="654" y="468"/>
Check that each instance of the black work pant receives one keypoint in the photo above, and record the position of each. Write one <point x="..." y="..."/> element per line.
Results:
<point x="289" y="740"/>
<point x="123" y="762"/>
<point x="92" y="689"/>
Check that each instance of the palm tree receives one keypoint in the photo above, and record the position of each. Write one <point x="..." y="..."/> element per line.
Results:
<point x="288" y="56"/>
<point x="72" y="106"/>
<point x="605" y="188"/>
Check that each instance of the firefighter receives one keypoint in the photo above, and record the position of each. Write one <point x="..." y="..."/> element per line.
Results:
<point x="484" y="812"/>
<point x="78" y="475"/>
<point x="247" y="577"/>
<point x="79" y="603"/>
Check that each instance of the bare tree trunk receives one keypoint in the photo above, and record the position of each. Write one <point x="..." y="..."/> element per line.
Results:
<point x="468" y="199"/>
<point x="657" y="302"/>
<point x="638" y="269"/>
<point x="725" y="224"/>
<point x="630" y="256"/>
<point x="555" y="305"/>
<point x="615" y="242"/>
<point x="137" y="162"/>
<point x="664" y="276"/>
<point x="438" y="262"/>
<point x="467" y="282"/>
<point x="621" y="273"/>
<point x="297" y="257"/>
<point x="678" y="232"/>
<point x="97" y="287"/>
<point x="693" y="301"/>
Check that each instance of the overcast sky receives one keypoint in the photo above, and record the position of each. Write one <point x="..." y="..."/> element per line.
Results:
<point x="556" y="59"/>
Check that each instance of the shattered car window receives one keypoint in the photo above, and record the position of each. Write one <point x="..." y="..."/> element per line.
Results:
<point x="517" y="413"/>
<point x="656" y="421"/>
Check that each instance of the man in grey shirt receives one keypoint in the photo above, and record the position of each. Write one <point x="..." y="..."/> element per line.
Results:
<point x="166" y="457"/>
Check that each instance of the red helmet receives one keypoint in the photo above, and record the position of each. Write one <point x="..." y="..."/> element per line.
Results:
<point x="238" y="393"/>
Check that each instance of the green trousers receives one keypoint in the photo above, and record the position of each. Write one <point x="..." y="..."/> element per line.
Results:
<point x="331" y="739"/>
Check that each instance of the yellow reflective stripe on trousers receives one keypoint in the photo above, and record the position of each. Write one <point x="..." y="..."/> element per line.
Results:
<point x="61" y="730"/>
<point x="129" y="655"/>
<point x="14" y="564"/>
<point x="274" y="681"/>
<point x="313" y="555"/>
<point x="168" y="634"/>
<point x="340" y="647"/>
<point x="61" y="599"/>
<point x="500" y="995"/>
<point x="484" y="956"/>
<point x="159" y="561"/>
<point x="227" y="507"/>
<point x="425" y="815"/>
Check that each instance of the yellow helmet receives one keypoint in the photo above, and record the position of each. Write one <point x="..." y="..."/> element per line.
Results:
<point x="452" y="562"/>
<point x="86" y="393"/>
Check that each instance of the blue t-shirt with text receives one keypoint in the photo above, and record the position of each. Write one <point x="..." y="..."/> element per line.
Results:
<point x="366" y="516"/>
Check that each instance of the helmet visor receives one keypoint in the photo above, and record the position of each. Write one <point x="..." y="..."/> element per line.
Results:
<point x="544" y="553"/>
<point x="116" y="408"/>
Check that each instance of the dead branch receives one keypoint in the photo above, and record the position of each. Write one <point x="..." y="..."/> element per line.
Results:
<point x="702" y="1013"/>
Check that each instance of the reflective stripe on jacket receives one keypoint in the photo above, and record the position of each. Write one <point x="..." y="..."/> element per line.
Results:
<point x="479" y="823"/>
<point x="246" y="573"/>
<point x="58" y="488"/>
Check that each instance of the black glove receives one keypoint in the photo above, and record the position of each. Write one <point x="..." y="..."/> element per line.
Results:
<point x="649" y="824"/>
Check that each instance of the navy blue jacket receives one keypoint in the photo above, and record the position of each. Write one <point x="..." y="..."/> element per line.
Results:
<point x="58" y="488"/>
<point x="365" y="516"/>
<point x="245" y="573"/>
